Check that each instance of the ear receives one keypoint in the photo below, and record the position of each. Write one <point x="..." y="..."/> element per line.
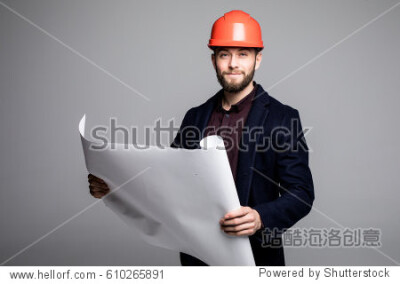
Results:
<point x="258" y="59"/>
<point x="213" y="60"/>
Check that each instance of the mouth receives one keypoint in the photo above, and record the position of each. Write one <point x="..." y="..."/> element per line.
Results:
<point x="233" y="74"/>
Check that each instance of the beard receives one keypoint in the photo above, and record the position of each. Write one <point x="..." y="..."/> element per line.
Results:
<point x="235" y="87"/>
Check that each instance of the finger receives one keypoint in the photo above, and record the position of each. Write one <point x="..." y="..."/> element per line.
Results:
<point x="239" y="228"/>
<point x="98" y="195"/>
<point x="97" y="184"/>
<point x="238" y="221"/>
<point x="90" y="177"/>
<point x="94" y="178"/>
<point x="237" y="213"/>
<point x="99" y="180"/>
<point x="98" y="189"/>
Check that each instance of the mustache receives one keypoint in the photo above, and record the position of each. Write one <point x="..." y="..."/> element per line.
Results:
<point x="232" y="72"/>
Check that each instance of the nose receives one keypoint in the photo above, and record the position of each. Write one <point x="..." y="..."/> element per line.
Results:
<point x="233" y="62"/>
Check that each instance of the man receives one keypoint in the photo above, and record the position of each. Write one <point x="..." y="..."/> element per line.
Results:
<point x="268" y="158"/>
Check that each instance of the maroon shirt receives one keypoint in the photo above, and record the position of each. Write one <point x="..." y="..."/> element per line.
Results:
<point x="229" y="124"/>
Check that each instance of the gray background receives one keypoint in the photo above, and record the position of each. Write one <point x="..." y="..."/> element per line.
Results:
<point x="349" y="95"/>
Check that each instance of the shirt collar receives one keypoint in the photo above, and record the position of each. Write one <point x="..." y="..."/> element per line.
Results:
<point x="238" y="107"/>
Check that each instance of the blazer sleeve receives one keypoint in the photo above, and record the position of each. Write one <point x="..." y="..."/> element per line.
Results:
<point x="179" y="140"/>
<point x="293" y="176"/>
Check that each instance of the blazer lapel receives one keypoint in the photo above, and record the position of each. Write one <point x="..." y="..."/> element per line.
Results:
<point x="205" y="114"/>
<point x="256" y="117"/>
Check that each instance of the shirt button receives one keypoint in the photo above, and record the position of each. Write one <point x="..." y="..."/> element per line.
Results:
<point x="227" y="115"/>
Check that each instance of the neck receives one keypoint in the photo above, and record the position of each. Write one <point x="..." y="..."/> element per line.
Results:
<point x="233" y="98"/>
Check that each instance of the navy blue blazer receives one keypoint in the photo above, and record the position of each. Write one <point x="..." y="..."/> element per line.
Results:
<point x="273" y="176"/>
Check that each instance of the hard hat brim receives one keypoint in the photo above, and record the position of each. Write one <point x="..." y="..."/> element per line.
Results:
<point x="219" y="43"/>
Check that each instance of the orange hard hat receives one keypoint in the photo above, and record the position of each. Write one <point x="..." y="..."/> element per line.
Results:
<point x="236" y="28"/>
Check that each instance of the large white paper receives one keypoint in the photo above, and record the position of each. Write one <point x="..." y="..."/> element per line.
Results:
<point x="173" y="198"/>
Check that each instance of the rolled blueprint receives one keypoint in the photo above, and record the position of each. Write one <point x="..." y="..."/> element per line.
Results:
<point x="172" y="198"/>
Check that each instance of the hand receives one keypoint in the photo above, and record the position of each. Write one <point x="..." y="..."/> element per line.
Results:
<point x="244" y="221"/>
<point x="98" y="188"/>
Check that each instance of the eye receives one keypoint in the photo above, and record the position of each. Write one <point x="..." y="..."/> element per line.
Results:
<point x="223" y="55"/>
<point x="243" y="54"/>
